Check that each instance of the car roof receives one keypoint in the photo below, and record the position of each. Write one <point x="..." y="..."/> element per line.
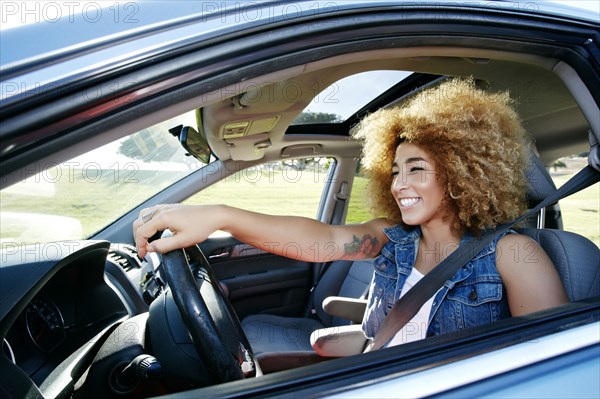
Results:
<point x="102" y="27"/>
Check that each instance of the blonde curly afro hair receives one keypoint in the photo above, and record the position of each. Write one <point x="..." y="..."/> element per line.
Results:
<point x="476" y="142"/>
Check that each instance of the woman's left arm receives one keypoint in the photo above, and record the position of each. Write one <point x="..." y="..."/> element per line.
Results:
<point x="529" y="276"/>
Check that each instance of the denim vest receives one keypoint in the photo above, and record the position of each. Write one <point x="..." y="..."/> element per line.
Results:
<point x="474" y="296"/>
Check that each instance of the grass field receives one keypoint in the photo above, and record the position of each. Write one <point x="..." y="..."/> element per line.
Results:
<point x="276" y="192"/>
<point x="580" y="212"/>
<point x="95" y="203"/>
<point x="298" y="195"/>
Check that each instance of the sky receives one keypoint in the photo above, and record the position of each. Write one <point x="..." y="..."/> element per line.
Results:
<point x="592" y="5"/>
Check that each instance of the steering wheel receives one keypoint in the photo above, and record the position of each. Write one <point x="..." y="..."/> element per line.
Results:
<point x="214" y="328"/>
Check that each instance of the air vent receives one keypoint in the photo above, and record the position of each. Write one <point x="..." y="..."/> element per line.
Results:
<point x="125" y="256"/>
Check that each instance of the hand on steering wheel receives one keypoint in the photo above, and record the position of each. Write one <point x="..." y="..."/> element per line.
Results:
<point x="221" y="343"/>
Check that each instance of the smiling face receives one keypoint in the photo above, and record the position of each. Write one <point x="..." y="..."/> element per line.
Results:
<point x="416" y="186"/>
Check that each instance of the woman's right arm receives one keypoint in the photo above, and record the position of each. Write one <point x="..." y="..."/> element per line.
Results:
<point x="291" y="236"/>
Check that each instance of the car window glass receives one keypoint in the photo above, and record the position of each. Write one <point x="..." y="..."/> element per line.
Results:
<point x="76" y="198"/>
<point x="291" y="187"/>
<point x="358" y="208"/>
<point x="580" y="211"/>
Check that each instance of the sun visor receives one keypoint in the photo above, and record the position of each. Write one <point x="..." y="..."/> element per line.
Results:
<point x="248" y="148"/>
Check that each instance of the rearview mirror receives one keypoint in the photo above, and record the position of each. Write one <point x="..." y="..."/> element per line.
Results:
<point x="194" y="142"/>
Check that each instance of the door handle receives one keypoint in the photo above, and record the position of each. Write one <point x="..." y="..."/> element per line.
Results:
<point x="223" y="254"/>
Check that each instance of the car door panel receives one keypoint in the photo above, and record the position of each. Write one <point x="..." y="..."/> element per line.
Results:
<point x="256" y="281"/>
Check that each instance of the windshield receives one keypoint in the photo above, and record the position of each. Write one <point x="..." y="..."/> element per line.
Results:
<point x="77" y="198"/>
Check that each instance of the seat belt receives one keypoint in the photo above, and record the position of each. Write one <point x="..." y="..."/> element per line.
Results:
<point x="410" y="303"/>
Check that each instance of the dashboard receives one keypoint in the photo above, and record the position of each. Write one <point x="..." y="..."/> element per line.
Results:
<point x="65" y="299"/>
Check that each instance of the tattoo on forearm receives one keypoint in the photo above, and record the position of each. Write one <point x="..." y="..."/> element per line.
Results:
<point x="368" y="246"/>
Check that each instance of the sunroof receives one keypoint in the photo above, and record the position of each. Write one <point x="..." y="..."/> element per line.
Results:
<point x="346" y="96"/>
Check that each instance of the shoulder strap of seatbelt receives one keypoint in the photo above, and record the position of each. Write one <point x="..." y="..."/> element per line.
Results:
<point x="410" y="303"/>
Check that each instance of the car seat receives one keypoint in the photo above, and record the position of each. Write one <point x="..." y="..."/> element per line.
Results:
<point x="576" y="258"/>
<point x="271" y="333"/>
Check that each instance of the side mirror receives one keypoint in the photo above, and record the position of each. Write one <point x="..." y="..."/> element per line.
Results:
<point x="194" y="142"/>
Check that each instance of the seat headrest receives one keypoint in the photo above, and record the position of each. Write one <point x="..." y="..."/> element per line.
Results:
<point x="540" y="184"/>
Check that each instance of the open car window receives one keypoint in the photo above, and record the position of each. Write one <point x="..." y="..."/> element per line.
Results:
<point x="579" y="212"/>
<point x="293" y="187"/>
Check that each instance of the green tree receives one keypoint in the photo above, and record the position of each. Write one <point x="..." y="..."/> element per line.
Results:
<point x="316" y="117"/>
<point x="146" y="145"/>
<point x="154" y="145"/>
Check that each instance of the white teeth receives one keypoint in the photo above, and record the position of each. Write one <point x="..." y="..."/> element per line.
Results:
<point x="408" y="201"/>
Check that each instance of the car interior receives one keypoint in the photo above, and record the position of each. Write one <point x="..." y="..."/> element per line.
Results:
<point x="265" y="306"/>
